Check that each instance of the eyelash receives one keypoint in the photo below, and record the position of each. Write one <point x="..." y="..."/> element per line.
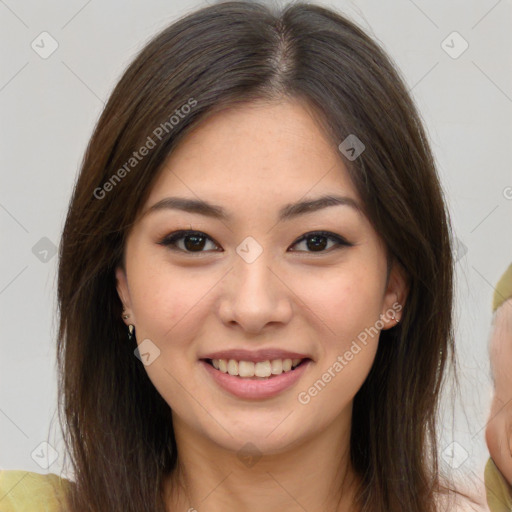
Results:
<point x="171" y="239"/>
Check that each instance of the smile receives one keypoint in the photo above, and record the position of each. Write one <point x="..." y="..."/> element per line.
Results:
<point x="261" y="369"/>
<point x="260" y="380"/>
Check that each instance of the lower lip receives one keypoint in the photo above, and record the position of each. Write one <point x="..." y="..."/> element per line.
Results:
<point x="256" y="388"/>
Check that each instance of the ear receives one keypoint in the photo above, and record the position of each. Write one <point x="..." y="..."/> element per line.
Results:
<point x="395" y="295"/>
<point x="124" y="294"/>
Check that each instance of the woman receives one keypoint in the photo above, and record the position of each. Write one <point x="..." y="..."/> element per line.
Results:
<point x="255" y="280"/>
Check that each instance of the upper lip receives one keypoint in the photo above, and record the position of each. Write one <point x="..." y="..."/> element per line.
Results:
<point x="264" y="354"/>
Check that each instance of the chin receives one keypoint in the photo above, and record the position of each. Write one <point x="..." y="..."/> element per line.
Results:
<point x="262" y="437"/>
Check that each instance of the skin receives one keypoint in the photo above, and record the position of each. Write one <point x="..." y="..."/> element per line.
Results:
<point x="498" y="433"/>
<point x="253" y="160"/>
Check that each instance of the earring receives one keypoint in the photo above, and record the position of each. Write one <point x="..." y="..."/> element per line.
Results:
<point x="395" y="318"/>
<point x="131" y="333"/>
<point x="127" y="315"/>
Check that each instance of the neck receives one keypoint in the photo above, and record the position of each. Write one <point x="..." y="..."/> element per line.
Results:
<point x="313" y="475"/>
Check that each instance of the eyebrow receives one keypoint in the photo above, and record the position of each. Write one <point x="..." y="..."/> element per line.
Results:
<point x="288" y="212"/>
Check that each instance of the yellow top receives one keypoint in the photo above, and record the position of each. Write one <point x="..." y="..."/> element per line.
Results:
<point x="26" y="491"/>
<point x="503" y="290"/>
<point x="498" y="490"/>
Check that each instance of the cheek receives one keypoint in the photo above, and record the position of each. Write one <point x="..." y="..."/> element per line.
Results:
<point x="338" y="377"/>
<point x="345" y="302"/>
<point x="164" y="299"/>
<point x="168" y="307"/>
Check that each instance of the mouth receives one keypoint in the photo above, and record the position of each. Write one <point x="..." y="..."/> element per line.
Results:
<point x="261" y="370"/>
<point x="255" y="380"/>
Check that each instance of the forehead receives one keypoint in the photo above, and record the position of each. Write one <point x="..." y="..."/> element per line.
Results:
<point x="259" y="151"/>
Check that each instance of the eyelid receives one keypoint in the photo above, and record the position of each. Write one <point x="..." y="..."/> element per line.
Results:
<point x="170" y="240"/>
<point x="340" y="241"/>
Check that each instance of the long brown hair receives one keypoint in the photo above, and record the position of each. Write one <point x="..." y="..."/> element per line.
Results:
<point x="117" y="428"/>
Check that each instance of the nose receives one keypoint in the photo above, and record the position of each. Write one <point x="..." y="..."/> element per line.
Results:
<point x="255" y="296"/>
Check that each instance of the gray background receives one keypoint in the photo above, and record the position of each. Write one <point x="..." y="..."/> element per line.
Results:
<point x="49" y="107"/>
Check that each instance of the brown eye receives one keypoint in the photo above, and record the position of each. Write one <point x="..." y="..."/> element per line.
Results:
<point x="187" y="241"/>
<point x="196" y="242"/>
<point x="318" y="241"/>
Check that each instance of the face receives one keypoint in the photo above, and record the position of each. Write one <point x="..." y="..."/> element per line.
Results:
<point x="258" y="281"/>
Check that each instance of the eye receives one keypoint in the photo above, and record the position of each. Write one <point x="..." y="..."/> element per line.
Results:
<point x="193" y="241"/>
<point x="318" y="240"/>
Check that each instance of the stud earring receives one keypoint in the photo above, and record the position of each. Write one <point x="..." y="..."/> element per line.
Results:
<point x="394" y="317"/>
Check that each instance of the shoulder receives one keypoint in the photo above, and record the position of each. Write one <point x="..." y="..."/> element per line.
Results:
<point x="26" y="491"/>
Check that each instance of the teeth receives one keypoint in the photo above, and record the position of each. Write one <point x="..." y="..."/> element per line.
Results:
<point x="260" y="369"/>
<point x="276" y="366"/>
<point x="245" y="368"/>
<point x="232" y="367"/>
